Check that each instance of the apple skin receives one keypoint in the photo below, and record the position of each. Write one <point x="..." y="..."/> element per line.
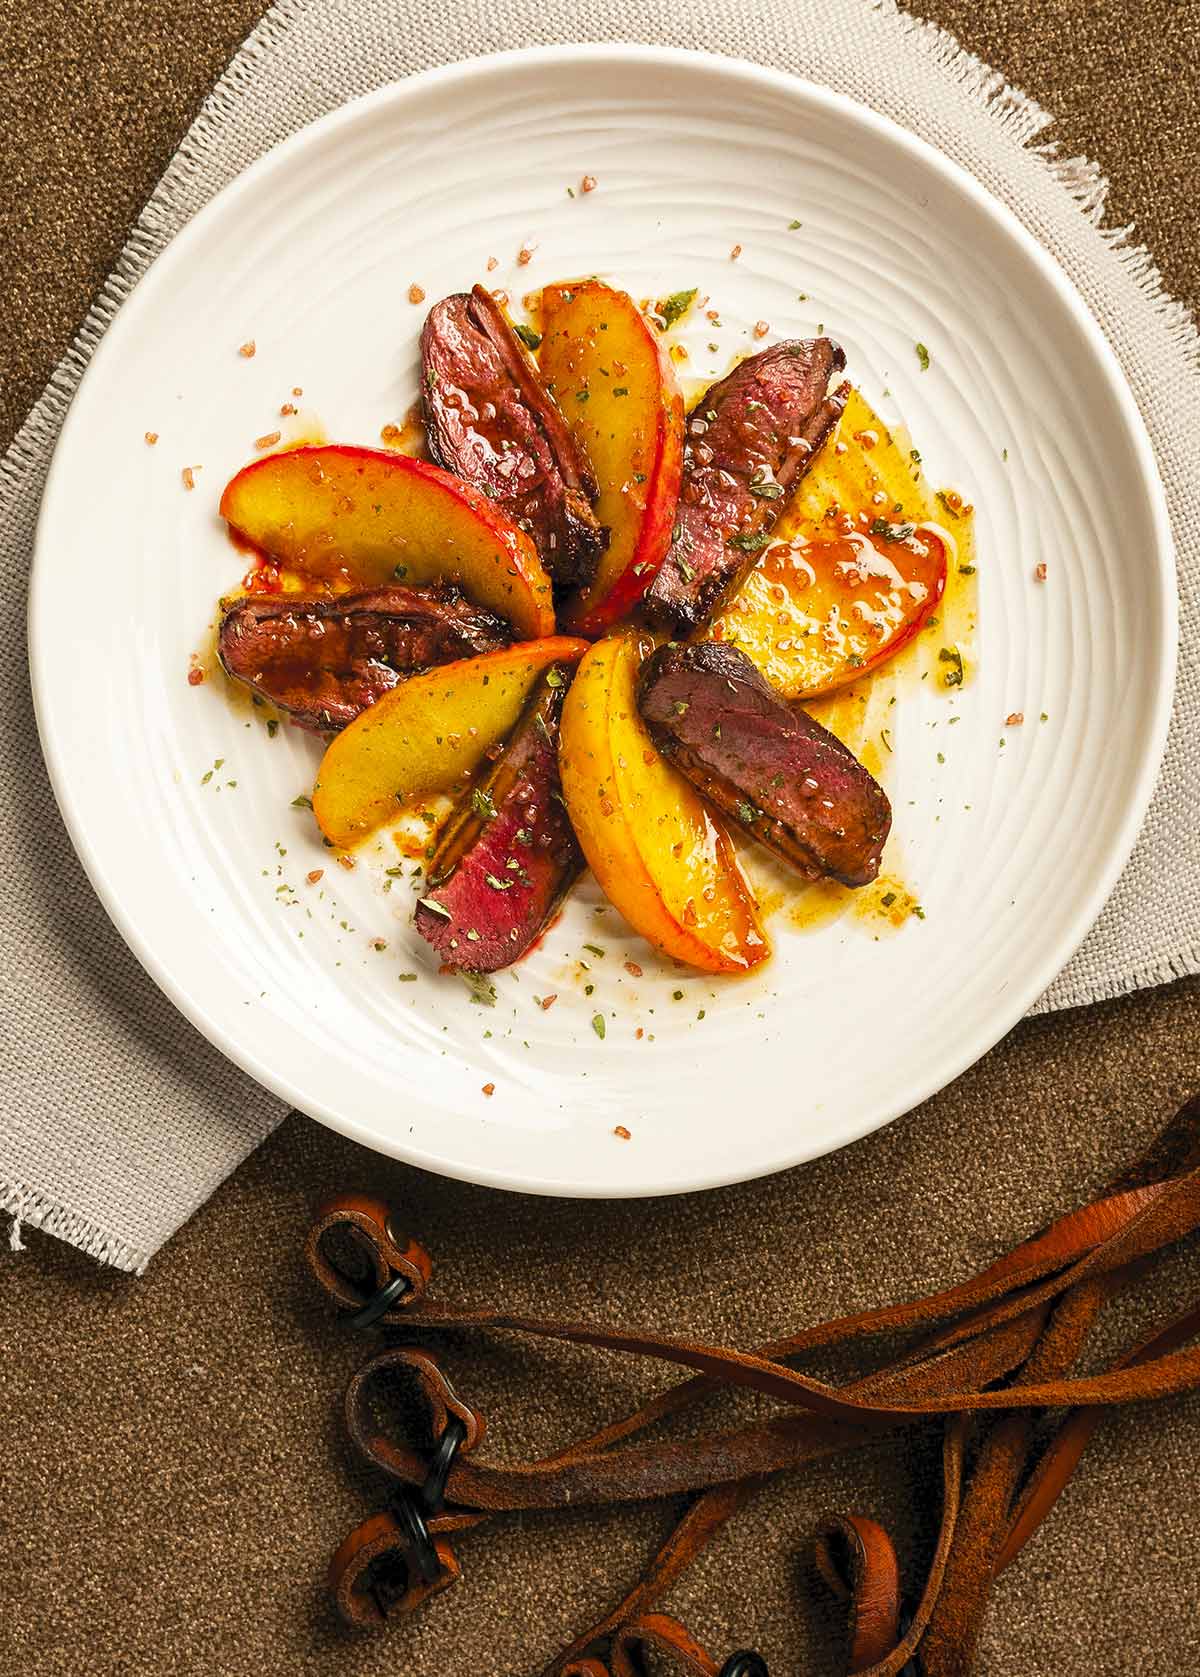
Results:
<point x="363" y="517"/>
<point x="932" y="574"/>
<point x="659" y="854"/>
<point x="617" y="390"/>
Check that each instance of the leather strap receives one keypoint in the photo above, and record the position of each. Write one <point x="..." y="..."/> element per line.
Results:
<point x="998" y="1350"/>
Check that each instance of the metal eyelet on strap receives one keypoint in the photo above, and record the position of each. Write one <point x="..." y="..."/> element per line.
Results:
<point x="377" y="1306"/>
<point x="745" y="1663"/>
<point x="433" y="1491"/>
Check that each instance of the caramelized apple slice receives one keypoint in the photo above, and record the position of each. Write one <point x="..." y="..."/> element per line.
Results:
<point x="361" y="518"/>
<point x="619" y="395"/>
<point x="659" y="854"/>
<point x="816" y="615"/>
<point x="857" y="569"/>
<point x="429" y="734"/>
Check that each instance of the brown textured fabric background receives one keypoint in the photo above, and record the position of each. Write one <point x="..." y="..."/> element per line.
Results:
<point x="172" y="1469"/>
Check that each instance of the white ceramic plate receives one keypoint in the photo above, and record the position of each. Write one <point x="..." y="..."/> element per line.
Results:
<point x="1012" y="850"/>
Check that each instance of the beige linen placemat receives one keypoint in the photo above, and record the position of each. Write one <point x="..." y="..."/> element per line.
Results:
<point x="116" y="1118"/>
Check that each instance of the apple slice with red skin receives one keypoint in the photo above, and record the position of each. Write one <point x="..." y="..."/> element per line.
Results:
<point x="608" y="372"/>
<point x="817" y="615"/>
<point x="363" y="518"/>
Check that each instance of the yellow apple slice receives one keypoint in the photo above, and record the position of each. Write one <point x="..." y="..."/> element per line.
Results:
<point x="659" y="854"/>
<point x="429" y="734"/>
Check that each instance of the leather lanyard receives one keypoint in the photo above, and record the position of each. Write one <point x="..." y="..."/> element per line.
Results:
<point x="990" y="1356"/>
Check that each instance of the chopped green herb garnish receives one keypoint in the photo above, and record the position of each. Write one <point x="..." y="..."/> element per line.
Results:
<point x="498" y="884"/>
<point x="594" y="949"/>
<point x="483" y="991"/>
<point x="527" y="335"/>
<point x="673" y="308"/>
<point x="434" y="908"/>
<point x="750" y="541"/>
<point x="955" y="512"/>
<point x="792" y="226"/>
<point x="746" y="812"/>
<point x="922" y="356"/>
<point x="302" y="802"/>
<point x="407" y="977"/>
<point x="891" y="532"/>
<point x="952" y="656"/>
<point x="553" y="677"/>
<point x="598" y="1025"/>
<point x="272" y="726"/>
<point x="483" y="804"/>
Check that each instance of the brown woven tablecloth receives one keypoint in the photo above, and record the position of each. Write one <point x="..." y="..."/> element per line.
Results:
<point x="172" y="1471"/>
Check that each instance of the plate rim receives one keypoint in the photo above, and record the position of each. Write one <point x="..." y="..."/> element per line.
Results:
<point x="919" y="1087"/>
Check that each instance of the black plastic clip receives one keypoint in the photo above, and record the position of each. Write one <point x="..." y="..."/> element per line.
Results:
<point x="411" y="1508"/>
<point x="376" y="1306"/>
<point x="745" y="1663"/>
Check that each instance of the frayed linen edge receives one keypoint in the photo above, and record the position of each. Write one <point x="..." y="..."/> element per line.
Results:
<point x="1169" y="969"/>
<point x="26" y="1206"/>
<point x="1083" y="180"/>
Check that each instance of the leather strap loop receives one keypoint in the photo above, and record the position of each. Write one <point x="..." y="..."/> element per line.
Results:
<point x="855" y="1557"/>
<point x="372" y="1577"/>
<point x="367" y="1223"/>
<point x="441" y="1402"/>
